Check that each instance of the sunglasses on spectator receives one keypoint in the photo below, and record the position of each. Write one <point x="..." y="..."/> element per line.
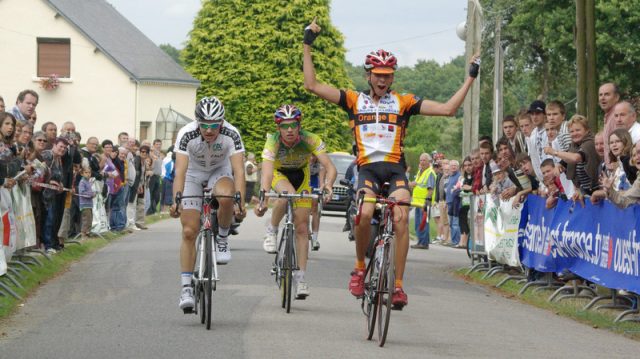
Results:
<point x="211" y="126"/>
<point x="41" y="140"/>
<point x="286" y="126"/>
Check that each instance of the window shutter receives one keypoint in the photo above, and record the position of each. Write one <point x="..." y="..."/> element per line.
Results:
<point x="54" y="57"/>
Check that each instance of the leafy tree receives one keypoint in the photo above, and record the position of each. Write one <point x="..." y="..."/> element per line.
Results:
<point x="249" y="54"/>
<point x="540" y="53"/>
<point x="173" y="52"/>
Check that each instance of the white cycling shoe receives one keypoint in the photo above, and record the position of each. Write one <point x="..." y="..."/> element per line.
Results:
<point x="269" y="243"/>
<point x="302" y="290"/>
<point x="186" y="298"/>
<point x="224" y="252"/>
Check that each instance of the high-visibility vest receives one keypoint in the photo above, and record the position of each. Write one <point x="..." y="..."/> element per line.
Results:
<point x="420" y="190"/>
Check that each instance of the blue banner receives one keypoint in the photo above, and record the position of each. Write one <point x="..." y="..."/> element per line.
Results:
<point x="596" y="242"/>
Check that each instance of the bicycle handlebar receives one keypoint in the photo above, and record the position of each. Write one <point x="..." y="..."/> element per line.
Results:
<point x="291" y="195"/>
<point x="387" y="201"/>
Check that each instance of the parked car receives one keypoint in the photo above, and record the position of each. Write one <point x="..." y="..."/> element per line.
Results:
<point x="340" y="199"/>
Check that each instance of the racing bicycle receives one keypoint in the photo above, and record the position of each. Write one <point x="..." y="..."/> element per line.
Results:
<point x="286" y="260"/>
<point x="205" y="273"/>
<point x="379" y="282"/>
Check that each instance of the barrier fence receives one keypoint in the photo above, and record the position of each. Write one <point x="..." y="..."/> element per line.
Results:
<point x="18" y="228"/>
<point x="597" y="243"/>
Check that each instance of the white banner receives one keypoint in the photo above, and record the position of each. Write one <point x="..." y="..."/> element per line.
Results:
<point x="25" y="221"/>
<point x="7" y="224"/>
<point x="100" y="223"/>
<point x="501" y="222"/>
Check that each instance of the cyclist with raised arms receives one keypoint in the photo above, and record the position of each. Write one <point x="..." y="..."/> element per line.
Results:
<point x="209" y="153"/>
<point x="285" y="167"/>
<point x="378" y="119"/>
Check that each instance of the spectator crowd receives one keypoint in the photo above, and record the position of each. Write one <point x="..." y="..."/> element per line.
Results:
<point x="71" y="181"/>
<point x="541" y="152"/>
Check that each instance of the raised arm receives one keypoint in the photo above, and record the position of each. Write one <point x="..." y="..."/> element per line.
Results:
<point x="311" y="83"/>
<point x="449" y="108"/>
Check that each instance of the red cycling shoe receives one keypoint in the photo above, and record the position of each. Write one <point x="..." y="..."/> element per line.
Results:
<point x="356" y="284"/>
<point x="399" y="299"/>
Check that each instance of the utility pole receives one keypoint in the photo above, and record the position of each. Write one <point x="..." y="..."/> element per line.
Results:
<point x="581" y="78"/>
<point x="498" y="70"/>
<point x="470" y="126"/>
<point x="592" y="75"/>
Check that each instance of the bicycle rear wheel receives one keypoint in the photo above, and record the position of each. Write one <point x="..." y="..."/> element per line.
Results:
<point x="369" y="300"/>
<point x="386" y="285"/>
<point x="208" y="278"/>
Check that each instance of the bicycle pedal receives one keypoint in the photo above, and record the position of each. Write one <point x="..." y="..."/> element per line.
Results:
<point x="188" y="310"/>
<point x="397" y="307"/>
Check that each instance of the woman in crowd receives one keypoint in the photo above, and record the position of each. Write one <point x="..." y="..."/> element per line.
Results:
<point x="464" y="192"/>
<point x="620" y="150"/>
<point x="622" y="172"/>
<point x="114" y="174"/>
<point x="54" y="198"/>
<point x="581" y="160"/>
<point x="627" y="197"/>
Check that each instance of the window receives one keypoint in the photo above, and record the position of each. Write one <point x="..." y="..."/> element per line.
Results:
<point x="54" y="57"/>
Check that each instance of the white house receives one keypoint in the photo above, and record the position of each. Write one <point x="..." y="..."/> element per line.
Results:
<point x="112" y="77"/>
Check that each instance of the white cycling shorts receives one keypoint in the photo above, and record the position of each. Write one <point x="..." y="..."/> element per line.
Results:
<point x="197" y="181"/>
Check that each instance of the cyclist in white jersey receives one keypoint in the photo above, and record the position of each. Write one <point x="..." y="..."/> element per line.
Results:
<point x="209" y="153"/>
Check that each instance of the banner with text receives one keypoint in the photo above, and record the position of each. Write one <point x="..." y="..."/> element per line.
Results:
<point x="596" y="242"/>
<point x="501" y="223"/>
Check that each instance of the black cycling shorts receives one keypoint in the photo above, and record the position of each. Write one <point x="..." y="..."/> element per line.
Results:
<point x="374" y="175"/>
<point x="295" y="176"/>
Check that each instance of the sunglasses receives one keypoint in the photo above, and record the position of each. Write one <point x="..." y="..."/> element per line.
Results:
<point x="211" y="126"/>
<point x="41" y="140"/>
<point x="286" y="126"/>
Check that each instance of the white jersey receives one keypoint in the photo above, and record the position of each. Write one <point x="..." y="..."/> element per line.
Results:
<point x="206" y="157"/>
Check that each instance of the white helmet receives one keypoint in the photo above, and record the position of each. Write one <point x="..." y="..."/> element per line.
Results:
<point x="210" y="109"/>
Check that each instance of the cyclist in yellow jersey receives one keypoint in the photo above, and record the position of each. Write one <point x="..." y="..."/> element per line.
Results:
<point x="285" y="167"/>
<point x="378" y="119"/>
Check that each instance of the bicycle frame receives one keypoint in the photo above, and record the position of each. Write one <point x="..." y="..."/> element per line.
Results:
<point x="208" y="222"/>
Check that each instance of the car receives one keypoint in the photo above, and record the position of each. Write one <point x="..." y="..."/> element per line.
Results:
<point x="340" y="199"/>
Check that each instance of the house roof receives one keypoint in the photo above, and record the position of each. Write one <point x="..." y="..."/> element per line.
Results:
<point x="121" y="41"/>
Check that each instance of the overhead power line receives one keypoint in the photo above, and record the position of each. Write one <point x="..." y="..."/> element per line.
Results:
<point x="401" y="40"/>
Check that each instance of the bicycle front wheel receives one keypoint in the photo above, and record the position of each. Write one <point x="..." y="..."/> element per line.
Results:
<point x="208" y="277"/>
<point x="369" y="300"/>
<point x="289" y="264"/>
<point x="386" y="286"/>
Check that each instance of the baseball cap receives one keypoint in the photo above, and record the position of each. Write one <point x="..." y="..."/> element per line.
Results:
<point x="537" y="106"/>
<point x="494" y="168"/>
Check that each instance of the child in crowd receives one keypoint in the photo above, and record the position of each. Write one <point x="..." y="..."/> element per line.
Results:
<point x="86" y="194"/>
<point x="500" y="181"/>
<point x="551" y="179"/>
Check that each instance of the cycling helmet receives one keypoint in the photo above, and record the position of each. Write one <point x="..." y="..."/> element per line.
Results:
<point x="210" y="109"/>
<point x="287" y="112"/>
<point x="381" y="62"/>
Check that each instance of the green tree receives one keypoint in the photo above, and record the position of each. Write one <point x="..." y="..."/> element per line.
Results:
<point x="173" y="52"/>
<point x="249" y="54"/>
<point x="540" y="54"/>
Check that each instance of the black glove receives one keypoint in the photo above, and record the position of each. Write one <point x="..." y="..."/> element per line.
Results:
<point x="474" y="68"/>
<point x="309" y="35"/>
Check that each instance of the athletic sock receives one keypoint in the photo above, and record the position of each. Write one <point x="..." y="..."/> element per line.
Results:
<point x="271" y="229"/>
<point x="360" y="265"/>
<point x="398" y="283"/>
<point x="223" y="232"/>
<point x="299" y="275"/>
<point x="314" y="236"/>
<point x="185" y="278"/>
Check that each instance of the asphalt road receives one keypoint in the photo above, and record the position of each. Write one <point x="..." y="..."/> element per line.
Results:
<point x="121" y="302"/>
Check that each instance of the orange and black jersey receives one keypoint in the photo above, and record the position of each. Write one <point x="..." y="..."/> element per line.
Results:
<point x="379" y="129"/>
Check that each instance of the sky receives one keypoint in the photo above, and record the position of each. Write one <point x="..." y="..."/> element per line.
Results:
<point x="412" y="29"/>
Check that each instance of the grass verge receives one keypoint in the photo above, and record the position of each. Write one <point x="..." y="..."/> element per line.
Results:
<point x="59" y="263"/>
<point x="570" y="308"/>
